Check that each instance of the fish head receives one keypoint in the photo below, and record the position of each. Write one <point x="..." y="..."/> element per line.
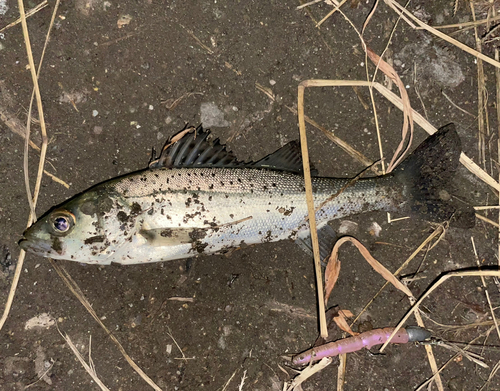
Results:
<point x="82" y="229"/>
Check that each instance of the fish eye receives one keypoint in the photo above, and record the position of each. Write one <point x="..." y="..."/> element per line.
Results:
<point x="62" y="222"/>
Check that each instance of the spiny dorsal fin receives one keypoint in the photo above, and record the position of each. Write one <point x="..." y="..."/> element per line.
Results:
<point x="194" y="148"/>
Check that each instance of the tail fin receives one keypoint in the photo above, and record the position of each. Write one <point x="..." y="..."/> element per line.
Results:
<point x="426" y="176"/>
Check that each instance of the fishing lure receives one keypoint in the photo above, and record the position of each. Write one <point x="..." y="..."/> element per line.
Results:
<point x="364" y="340"/>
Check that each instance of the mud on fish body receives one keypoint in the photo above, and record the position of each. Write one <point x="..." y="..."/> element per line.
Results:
<point x="197" y="198"/>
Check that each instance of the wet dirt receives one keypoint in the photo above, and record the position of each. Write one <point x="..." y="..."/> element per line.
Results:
<point x="118" y="79"/>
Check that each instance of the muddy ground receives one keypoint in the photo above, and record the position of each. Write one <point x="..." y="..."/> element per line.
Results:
<point x="118" y="79"/>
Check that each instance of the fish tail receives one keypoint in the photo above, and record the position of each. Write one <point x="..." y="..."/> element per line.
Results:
<point x="426" y="176"/>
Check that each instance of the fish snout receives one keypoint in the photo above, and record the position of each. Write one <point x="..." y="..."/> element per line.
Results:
<point x="31" y="243"/>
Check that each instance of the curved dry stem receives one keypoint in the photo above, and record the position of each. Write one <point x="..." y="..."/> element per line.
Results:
<point x="43" y="151"/>
<point x="441" y="280"/>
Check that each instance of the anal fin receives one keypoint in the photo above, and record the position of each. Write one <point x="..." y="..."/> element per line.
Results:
<point x="326" y="240"/>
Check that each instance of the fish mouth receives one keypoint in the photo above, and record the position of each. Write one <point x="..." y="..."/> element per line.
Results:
<point x="35" y="246"/>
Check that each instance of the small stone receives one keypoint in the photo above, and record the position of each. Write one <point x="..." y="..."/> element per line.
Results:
<point x="124" y="20"/>
<point x="97" y="129"/>
<point x="375" y="229"/>
<point x="212" y="116"/>
<point x="95" y="113"/>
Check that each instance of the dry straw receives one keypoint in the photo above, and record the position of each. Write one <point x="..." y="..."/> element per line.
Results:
<point x="441" y="280"/>
<point x="413" y="21"/>
<point x="305" y="374"/>
<point x="43" y="149"/>
<point x="33" y="200"/>
<point x="31" y="12"/>
<point x="75" y="289"/>
<point x="89" y="367"/>
<point x="402" y="104"/>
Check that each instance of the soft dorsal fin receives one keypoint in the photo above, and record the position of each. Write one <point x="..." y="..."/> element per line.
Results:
<point x="195" y="148"/>
<point x="287" y="158"/>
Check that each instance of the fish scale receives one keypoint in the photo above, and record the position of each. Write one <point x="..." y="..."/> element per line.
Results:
<point x="247" y="206"/>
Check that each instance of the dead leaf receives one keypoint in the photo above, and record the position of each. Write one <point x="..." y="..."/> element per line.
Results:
<point x="333" y="267"/>
<point x="407" y="111"/>
<point x="341" y="321"/>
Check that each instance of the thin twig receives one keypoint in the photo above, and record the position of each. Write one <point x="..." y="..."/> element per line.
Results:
<point x="310" y="208"/>
<point x="43" y="151"/>
<point x="441" y="280"/>
<point x="88" y="367"/>
<point x="75" y="289"/>
<point x="31" y="12"/>
<point x="406" y="15"/>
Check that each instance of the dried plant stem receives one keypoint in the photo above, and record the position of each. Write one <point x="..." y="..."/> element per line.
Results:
<point x="389" y="71"/>
<point x="308" y="4"/>
<point x="428" y="350"/>
<point x="31" y="12"/>
<point x="341" y="143"/>
<point x="310" y="208"/>
<point x="497" y="84"/>
<point x="441" y="280"/>
<point x="409" y="17"/>
<point x="419" y="119"/>
<point x="466" y="24"/>
<point x="306" y="374"/>
<point x="370" y="89"/>
<point x="456" y="106"/>
<point x="13" y="287"/>
<point x="487" y="220"/>
<point x="330" y="13"/>
<point x="481" y="91"/>
<point x="75" y="289"/>
<point x="437" y="232"/>
<point x="485" y="288"/>
<point x="341" y="371"/>
<point x="43" y="151"/>
<point x="89" y="367"/>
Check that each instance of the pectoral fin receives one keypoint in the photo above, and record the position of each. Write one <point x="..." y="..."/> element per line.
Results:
<point x="172" y="236"/>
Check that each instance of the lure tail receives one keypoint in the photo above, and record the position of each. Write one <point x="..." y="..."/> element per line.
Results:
<point x="426" y="176"/>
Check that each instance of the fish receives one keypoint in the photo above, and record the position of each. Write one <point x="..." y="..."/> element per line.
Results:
<point x="197" y="198"/>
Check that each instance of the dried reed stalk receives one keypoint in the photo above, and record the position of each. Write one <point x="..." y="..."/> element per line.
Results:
<point x="441" y="280"/>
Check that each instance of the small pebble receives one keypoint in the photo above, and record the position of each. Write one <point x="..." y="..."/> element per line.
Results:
<point x="95" y="113"/>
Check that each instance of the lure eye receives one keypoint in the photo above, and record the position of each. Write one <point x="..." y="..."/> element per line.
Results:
<point x="62" y="222"/>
